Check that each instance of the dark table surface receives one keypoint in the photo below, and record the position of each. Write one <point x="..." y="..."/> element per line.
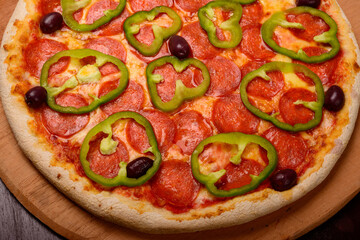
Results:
<point x="17" y="223"/>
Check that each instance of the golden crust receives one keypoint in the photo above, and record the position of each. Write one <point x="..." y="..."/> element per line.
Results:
<point x="142" y="215"/>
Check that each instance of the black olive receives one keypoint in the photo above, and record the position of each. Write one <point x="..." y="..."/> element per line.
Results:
<point x="334" y="99"/>
<point x="138" y="167"/>
<point x="179" y="47"/>
<point x="51" y="22"/>
<point x="35" y="97"/>
<point x="308" y="3"/>
<point x="283" y="180"/>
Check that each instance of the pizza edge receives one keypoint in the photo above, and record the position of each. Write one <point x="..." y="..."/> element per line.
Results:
<point x="127" y="212"/>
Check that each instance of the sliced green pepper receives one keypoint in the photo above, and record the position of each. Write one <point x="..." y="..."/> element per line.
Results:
<point x="101" y="59"/>
<point x="121" y="178"/>
<point x="182" y="93"/>
<point x="316" y="107"/>
<point x="206" y="14"/>
<point x="69" y="7"/>
<point x="241" y="140"/>
<point x="279" y="19"/>
<point x="132" y="27"/>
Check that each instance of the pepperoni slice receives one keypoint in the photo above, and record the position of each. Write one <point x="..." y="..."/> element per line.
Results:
<point x="147" y="5"/>
<point x="131" y="99"/>
<point x="108" y="46"/>
<point x="65" y="125"/>
<point x="107" y="165"/>
<point x="324" y="70"/>
<point x="115" y="26"/>
<point x="146" y="36"/>
<point x="259" y="87"/>
<point x="96" y="11"/>
<point x="225" y="76"/>
<point x="230" y="115"/>
<point x="163" y="126"/>
<point x="252" y="14"/>
<point x="291" y="149"/>
<point x="293" y="114"/>
<point x="174" y="184"/>
<point x="166" y="88"/>
<point x="239" y="175"/>
<point x="253" y="46"/>
<point x="313" y="26"/>
<point x="39" y="51"/>
<point x="191" y="5"/>
<point x="198" y="41"/>
<point x="191" y="129"/>
<point x="48" y="6"/>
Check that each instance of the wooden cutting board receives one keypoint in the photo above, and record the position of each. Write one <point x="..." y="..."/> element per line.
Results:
<point x="69" y="220"/>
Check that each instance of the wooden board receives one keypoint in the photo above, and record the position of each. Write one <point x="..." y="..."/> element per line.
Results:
<point x="69" y="220"/>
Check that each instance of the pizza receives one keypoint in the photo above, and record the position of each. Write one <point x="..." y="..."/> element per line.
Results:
<point x="171" y="116"/>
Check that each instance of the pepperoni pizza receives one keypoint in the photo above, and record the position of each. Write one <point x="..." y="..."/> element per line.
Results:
<point x="177" y="115"/>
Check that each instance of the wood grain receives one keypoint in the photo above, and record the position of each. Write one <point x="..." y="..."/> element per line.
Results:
<point x="69" y="220"/>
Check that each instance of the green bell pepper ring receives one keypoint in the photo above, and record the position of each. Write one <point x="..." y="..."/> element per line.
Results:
<point x="69" y="7"/>
<point x="182" y="93"/>
<point x="241" y="140"/>
<point x="121" y="178"/>
<point x="101" y="59"/>
<point x="279" y="19"/>
<point x="316" y="107"/>
<point x="232" y="25"/>
<point x="132" y="27"/>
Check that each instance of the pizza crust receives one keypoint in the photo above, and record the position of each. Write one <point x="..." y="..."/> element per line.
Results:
<point x="143" y="216"/>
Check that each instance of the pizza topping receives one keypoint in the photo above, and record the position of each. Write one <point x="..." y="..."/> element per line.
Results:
<point x="327" y="38"/>
<point x="293" y="113"/>
<point x="191" y="6"/>
<point x="182" y="93"/>
<point x="97" y="10"/>
<point x="297" y="113"/>
<point x="115" y="26"/>
<point x="147" y="5"/>
<point x="88" y="74"/>
<point x="191" y="129"/>
<point x="132" y="99"/>
<point x="207" y="16"/>
<point x="120" y="178"/>
<point x="260" y="87"/>
<point x="138" y="167"/>
<point x="39" y="51"/>
<point x="291" y="149"/>
<point x="107" y="165"/>
<point x="35" y="97"/>
<point x="65" y="125"/>
<point x="308" y="3"/>
<point x="70" y="7"/>
<point x="163" y="126"/>
<point x="241" y="140"/>
<point x="132" y="27"/>
<point x="225" y="76"/>
<point x="253" y="46"/>
<point x="107" y="46"/>
<point x="174" y="184"/>
<point x="199" y="42"/>
<point x="51" y="22"/>
<point x="324" y="70"/>
<point x="49" y="6"/>
<point x="334" y="99"/>
<point x="252" y="14"/>
<point x="179" y="47"/>
<point x="230" y="115"/>
<point x="101" y="59"/>
<point x="312" y="26"/>
<point x="283" y="180"/>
